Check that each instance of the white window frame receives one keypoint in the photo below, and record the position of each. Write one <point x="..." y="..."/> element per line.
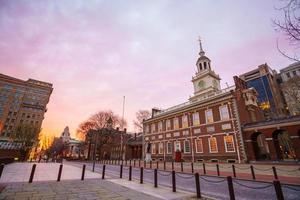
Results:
<point x="160" y="126"/>
<point x="169" y="152"/>
<point x="153" y="148"/>
<point x="176" y="119"/>
<point x="147" y="129"/>
<point x="210" y="150"/>
<point x="175" y="145"/>
<point x="221" y="116"/>
<point x="153" y="128"/>
<point x="183" y="121"/>
<point x="168" y="124"/>
<point x="225" y="143"/>
<point x="197" y="150"/>
<point x="212" y="115"/>
<point x="159" y="148"/>
<point x="184" y="144"/>
<point x="194" y="120"/>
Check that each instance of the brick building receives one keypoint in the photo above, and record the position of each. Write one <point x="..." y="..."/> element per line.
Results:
<point x="277" y="139"/>
<point x="22" y="102"/>
<point x="206" y="127"/>
<point x="113" y="144"/>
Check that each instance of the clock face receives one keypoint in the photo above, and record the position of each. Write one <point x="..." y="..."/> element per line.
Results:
<point x="201" y="84"/>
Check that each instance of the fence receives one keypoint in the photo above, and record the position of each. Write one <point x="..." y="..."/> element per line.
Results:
<point x="173" y="175"/>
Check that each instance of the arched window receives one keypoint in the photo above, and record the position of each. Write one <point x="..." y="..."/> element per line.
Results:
<point x="204" y="65"/>
<point x="200" y="66"/>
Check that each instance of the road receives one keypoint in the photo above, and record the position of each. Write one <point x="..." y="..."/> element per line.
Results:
<point x="210" y="185"/>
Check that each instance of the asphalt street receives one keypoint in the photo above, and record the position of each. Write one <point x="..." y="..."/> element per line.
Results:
<point x="212" y="186"/>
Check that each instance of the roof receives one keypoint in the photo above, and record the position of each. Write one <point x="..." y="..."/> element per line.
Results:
<point x="10" y="145"/>
<point x="276" y="121"/>
<point x="138" y="140"/>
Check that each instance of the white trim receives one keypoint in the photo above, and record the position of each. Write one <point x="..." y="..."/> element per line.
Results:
<point x="268" y="138"/>
<point x="294" y="136"/>
<point x="196" y="113"/>
<point x="225" y="143"/>
<point x="206" y="116"/>
<point x="209" y="145"/>
<point x="201" y="141"/>
<point x="184" y="150"/>
<point x="221" y="117"/>
<point x="169" y="152"/>
<point x="177" y="142"/>
<point x="159" y="144"/>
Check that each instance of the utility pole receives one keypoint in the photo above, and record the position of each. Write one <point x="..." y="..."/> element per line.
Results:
<point x="122" y="129"/>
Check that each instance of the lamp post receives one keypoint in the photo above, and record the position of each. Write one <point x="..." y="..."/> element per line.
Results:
<point x="94" y="153"/>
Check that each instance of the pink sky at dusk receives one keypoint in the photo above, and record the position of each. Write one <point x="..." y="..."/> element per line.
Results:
<point x="96" y="52"/>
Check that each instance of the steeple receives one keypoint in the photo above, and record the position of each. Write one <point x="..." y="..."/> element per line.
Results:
<point x="203" y="62"/>
<point x="206" y="81"/>
<point x="201" y="53"/>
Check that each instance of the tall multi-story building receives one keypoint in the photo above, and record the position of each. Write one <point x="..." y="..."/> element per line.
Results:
<point x="206" y="127"/>
<point x="22" y="102"/>
<point x="270" y="100"/>
<point x="290" y="86"/>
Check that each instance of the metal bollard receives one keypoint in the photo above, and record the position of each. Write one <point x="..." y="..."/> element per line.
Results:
<point x="172" y="165"/>
<point x="94" y="163"/>
<point x="181" y="166"/>
<point x="197" y="181"/>
<point x="1" y="169"/>
<point x="142" y="175"/>
<point x="233" y="171"/>
<point x="103" y="172"/>
<point x="230" y="188"/>
<point x="130" y="172"/>
<point x="83" y="172"/>
<point x="204" y="170"/>
<point x="121" y="171"/>
<point x="275" y="173"/>
<point x="32" y="173"/>
<point x="278" y="190"/>
<point x="155" y="177"/>
<point x="157" y="164"/>
<point x="192" y="166"/>
<point x="252" y="172"/>
<point x="164" y="165"/>
<point x="218" y="169"/>
<point x="59" y="172"/>
<point x="173" y="181"/>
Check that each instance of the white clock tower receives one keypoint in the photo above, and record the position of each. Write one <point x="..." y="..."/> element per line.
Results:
<point x="205" y="81"/>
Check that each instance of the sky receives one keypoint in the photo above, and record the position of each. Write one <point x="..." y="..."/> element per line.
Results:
<point x="96" y="52"/>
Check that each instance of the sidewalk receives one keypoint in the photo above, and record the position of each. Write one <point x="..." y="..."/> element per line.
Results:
<point x="15" y="179"/>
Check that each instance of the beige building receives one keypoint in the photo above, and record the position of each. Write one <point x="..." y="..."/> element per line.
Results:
<point x="22" y="102"/>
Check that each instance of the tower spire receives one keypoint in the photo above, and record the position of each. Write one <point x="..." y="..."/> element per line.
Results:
<point x="201" y="53"/>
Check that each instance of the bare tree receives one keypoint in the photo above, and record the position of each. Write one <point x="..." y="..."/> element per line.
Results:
<point x="140" y="116"/>
<point x="291" y="91"/>
<point x="290" y="25"/>
<point x="99" y="121"/>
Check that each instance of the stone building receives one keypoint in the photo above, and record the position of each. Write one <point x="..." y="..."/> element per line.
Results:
<point x="206" y="127"/>
<point x="22" y="102"/>
<point x="73" y="148"/>
<point x="290" y="85"/>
